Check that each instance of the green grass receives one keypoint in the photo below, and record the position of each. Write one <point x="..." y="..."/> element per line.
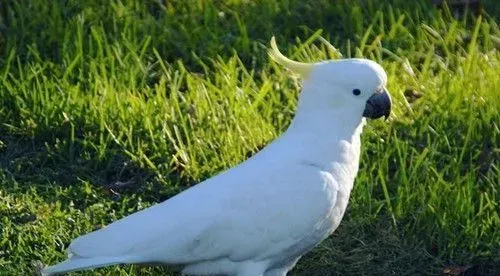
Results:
<point x="107" y="109"/>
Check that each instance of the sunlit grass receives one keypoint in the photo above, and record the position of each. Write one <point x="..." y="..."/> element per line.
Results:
<point x="106" y="110"/>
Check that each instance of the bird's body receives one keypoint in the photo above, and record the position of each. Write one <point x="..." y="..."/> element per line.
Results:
<point x="257" y="218"/>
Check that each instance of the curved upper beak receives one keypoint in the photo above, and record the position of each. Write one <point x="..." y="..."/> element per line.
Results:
<point x="378" y="105"/>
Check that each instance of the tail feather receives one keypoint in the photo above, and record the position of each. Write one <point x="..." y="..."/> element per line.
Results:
<point x="81" y="264"/>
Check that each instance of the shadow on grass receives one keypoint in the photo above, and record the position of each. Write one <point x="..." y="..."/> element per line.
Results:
<point x="41" y="166"/>
<point x="376" y="248"/>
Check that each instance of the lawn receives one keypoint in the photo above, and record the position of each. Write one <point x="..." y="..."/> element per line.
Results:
<point x="108" y="109"/>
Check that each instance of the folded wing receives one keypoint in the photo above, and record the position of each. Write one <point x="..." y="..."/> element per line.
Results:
<point x="223" y="217"/>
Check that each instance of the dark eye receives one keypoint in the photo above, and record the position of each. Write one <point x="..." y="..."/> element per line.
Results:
<point x="356" y="92"/>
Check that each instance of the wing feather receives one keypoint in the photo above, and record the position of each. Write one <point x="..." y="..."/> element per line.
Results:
<point x="223" y="217"/>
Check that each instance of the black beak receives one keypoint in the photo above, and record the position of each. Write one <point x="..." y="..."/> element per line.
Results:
<point x="378" y="105"/>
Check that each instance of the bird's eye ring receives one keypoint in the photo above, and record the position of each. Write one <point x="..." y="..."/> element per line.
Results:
<point x="356" y="92"/>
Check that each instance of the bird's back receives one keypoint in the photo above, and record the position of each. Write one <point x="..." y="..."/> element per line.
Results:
<point x="250" y="211"/>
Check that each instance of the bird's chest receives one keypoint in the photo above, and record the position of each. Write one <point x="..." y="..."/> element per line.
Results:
<point x="325" y="209"/>
<point x="335" y="198"/>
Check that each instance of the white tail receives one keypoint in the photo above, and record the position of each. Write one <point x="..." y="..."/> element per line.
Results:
<point x="81" y="264"/>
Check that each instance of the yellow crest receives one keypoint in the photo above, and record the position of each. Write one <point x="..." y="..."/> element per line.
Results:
<point x="301" y="68"/>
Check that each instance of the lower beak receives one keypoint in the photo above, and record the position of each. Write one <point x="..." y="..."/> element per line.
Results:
<point x="378" y="105"/>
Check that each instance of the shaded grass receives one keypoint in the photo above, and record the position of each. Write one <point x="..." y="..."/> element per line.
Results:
<point x="109" y="109"/>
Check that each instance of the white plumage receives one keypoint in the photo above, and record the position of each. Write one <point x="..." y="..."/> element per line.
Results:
<point x="261" y="216"/>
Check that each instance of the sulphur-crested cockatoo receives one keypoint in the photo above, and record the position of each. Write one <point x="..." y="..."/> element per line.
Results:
<point x="259" y="217"/>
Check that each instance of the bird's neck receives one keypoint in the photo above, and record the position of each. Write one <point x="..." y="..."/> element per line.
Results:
<point x="326" y="139"/>
<point x="326" y="126"/>
<point x="329" y="142"/>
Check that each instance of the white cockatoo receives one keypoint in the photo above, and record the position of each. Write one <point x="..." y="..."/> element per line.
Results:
<point x="261" y="216"/>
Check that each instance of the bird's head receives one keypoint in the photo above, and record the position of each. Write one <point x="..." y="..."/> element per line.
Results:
<point x="354" y="87"/>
